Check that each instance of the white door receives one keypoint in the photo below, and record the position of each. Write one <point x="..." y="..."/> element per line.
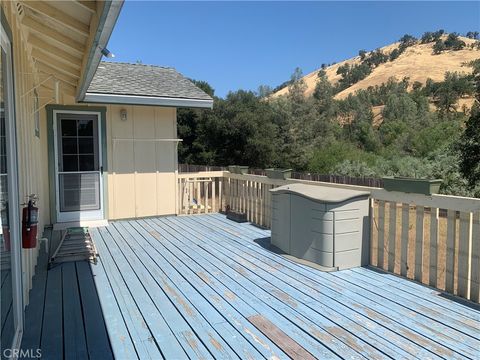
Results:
<point x="78" y="166"/>
<point x="10" y="248"/>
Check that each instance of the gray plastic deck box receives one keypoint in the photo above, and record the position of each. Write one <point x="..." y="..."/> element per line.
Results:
<point x="325" y="225"/>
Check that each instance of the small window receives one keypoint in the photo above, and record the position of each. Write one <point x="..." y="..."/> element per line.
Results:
<point x="36" y="113"/>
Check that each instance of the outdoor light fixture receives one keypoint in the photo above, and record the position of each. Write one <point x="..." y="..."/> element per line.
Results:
<point x="123" y="115"/>
<point x="107" y="53"/>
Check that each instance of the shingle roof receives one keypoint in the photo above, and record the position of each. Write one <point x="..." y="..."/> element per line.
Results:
<point x="143" y="80"/>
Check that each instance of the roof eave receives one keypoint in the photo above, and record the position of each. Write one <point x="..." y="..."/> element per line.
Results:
<point x="148" y="100"/>
<point x="106" y="23"/>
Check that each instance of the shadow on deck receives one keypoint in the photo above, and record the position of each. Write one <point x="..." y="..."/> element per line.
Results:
<point x="64" y="318"/>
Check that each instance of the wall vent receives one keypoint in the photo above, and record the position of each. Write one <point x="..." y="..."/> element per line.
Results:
<point x="20" y="9"/>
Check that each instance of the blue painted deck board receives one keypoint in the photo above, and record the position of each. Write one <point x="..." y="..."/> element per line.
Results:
<point x="156" y="305"/>
<point x="181" y="293"/>
<point x="335" y="312"/>
<point x="231" y="229"/>
<point x="342" y="315"/>
<point x="313" y="346"/>
<point x="188" y="287"/>
<point x="95" y="331"/>
<point x="52" y="341"/>
<point x="220" y="313"/>
<point x="74" y="332"/>
<point x="64" y="318"/>
<point x="303" y="315"/>
<point x="115" y="318"/>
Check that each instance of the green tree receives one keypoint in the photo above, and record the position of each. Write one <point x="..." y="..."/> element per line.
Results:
<point x="408" y="40"/>
<point x="469" y="147"/>
<point x="454" y="42"/>
<point x="439" y="46"/>
<point x="472" y="35"/>
<point x="427" y="37"/>
<point x="469" y="143"/>
<point x="297" y="87"/>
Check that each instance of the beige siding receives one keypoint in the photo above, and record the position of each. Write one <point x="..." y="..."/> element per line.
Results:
<point x="141" y="169"/>
<point x="33" y="170"/>
<point x="141" y="161"/>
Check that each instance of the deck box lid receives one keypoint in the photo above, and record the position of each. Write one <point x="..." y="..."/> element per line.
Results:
<point x="321" y="193"/>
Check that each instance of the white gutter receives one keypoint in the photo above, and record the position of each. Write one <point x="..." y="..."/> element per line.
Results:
<point x="106" y="23"/>
<point x="147" y="100"/>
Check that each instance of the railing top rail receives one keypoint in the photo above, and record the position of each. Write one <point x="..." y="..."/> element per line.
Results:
<point x="457" y="203"/>
<point x="201" y="174"/>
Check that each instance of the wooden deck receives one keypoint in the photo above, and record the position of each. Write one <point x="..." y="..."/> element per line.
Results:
<point x="204" y="287"/>
<point x="64" y="318"/>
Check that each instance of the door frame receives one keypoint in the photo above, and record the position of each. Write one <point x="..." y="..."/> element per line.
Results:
<point x="52" y="111"/>
<point x="13" y="187"/>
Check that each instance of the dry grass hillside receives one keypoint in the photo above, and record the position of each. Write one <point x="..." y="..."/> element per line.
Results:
<point x="417" y="63"/>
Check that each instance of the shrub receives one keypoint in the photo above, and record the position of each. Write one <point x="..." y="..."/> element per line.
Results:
<point x="439" y="46"/>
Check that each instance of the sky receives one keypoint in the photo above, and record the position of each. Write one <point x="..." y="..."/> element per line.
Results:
<point x="242" y="45"/>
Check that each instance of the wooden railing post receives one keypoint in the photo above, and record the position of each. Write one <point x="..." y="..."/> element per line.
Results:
<point x="475" y="263"/>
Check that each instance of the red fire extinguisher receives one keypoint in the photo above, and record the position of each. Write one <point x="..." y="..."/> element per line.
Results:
<point x="29" y="224"/>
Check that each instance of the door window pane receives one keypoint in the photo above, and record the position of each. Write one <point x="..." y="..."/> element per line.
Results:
<point x="85" y="127"/>
<point x="85" y="146"/>
<point x="87" y="162"/>
<point x="69" y="146"/>
<point x="69" y="127"/>
<point x="70" y="163"/>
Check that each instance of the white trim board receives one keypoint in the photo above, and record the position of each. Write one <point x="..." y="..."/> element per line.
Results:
<point x="81" y="223"/>
<point x="147" y="100"/>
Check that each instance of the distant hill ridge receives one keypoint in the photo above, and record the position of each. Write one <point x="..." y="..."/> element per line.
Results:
<point x="417" y="62"/>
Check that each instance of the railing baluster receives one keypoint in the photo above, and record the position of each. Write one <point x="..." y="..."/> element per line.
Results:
<point x="392" y="236"/>
<point x="463" y="253"/>
<point x="220" y="194"/>
<point x="450" y="254"/>
<point x="214" y="198"/>
<point x="404" y="265"/>
<point x="419" y="243"/>
<point x="432" y="272"/>
<point x="190" y="197"/>
<point x="251" y="201"/>
<point x="381" y="233"/>
<point x="475" y="268"/>
<point x="205" y="189"/>
<point x="261" y="220"/>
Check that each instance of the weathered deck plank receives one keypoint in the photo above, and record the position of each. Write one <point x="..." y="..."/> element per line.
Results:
<point x="208" y="281"/>
<point x="350" y="302"/>
<point x="63" y="319"/>
<point x="75" y="344"/>
<point x="186" y="294"/>
<point x="229" y="227"/>
<point x="284" y="295"/>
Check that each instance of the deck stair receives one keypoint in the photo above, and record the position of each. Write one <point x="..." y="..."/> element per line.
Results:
<point x="76" y="244"/>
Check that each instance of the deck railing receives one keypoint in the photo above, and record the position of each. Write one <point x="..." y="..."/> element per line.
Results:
<point x="432" y="239"/>
<point x="200" y="193"/>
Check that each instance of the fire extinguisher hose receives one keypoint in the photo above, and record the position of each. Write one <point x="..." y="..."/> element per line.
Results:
<point x="29" y="215"/>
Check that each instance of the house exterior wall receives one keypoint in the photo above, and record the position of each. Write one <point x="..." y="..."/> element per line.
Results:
<point x="141" y="167"/>
<point x="31" y="150"/>
<point x="142" y="161"/>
